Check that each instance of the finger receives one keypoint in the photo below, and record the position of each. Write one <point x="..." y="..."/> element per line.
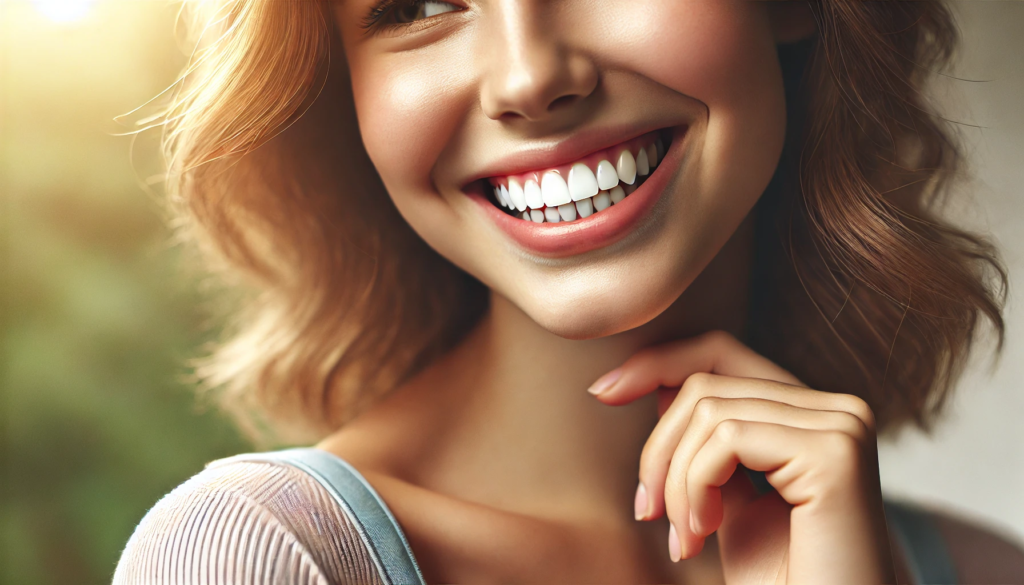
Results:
<point x="707" y="415"/>
<point x="660" y="448"/>
<point x="820" y="473"/>
<point x="670" y="364"/>
<point x="759" y="446"/>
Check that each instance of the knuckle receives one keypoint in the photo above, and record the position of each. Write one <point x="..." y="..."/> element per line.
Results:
<point x="706" y="409"/>
<point x="697" y="384"/>
<point x="728" y="431"/>
<point x="858" y="407"/>
<point x="853" y="426"/>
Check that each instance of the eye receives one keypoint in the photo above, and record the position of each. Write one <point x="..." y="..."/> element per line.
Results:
<point x="419" y="10"/>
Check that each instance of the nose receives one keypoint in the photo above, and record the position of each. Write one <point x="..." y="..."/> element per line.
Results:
<point x="530" y="72"/>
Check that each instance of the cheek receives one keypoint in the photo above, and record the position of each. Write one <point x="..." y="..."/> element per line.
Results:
<point x="408" y="108"/>
<point x="723" y="54"/>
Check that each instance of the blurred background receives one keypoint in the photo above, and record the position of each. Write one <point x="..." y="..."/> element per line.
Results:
<point x="100" y="314"/>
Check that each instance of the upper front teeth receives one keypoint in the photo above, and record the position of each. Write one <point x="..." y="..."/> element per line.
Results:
<point x="554" y="190"/>
<point x="581" y="190"/>
<point x="582" y="182"/>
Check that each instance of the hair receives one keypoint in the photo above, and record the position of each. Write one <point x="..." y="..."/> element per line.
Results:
<point x="859" y="285"/>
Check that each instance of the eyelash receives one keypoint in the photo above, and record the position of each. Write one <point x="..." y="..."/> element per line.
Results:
<point x="382" y="10"/>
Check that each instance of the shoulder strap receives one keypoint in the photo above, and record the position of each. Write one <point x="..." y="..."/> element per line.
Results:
<point x="924" y="549"/>
<point x="379" y="529"/>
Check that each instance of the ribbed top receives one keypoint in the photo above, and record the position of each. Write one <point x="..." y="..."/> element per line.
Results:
<point x="247" y="522"/>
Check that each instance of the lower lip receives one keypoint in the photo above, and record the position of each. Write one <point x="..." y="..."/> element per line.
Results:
<point x="559" y="240"/>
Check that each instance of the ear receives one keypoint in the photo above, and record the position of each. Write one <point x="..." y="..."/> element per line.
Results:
<point x="791" y="20"/>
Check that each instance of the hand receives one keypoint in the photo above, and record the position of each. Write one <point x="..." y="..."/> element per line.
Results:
<point x="722" y="405"/>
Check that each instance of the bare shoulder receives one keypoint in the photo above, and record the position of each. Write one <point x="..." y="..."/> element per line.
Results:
<point x="982" y="553"/>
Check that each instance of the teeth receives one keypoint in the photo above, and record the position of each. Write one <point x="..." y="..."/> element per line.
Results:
<point x="516" y="195"/>
<point x="606" y="175"/>
<point x="582" y="182"/>
<point x="626" y="167"/>
<point x="643" y="166"/>
<point x="554" y="190"/>
<point x="585" y="207"/>
<point x="551" y="197"/>
<point x="534" y="200"/>
<point x="617" y="194"/>
<point x="652" y="155"/>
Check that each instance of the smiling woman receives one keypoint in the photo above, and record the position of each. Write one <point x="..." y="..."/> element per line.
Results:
<point x="459" y="215"/>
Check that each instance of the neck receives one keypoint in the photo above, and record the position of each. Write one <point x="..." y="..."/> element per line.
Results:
<point x="505" y="420"/>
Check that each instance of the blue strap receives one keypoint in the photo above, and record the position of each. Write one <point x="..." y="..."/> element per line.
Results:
<point x="924" y="549"/>
<point x="377" y="525"/>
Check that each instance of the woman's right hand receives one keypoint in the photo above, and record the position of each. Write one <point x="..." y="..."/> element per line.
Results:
<point x="727" y="406"/>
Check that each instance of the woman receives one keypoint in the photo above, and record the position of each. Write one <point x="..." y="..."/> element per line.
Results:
<point x="602" y="195"/>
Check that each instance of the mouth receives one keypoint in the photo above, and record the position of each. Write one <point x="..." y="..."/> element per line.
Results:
<point x="585" y="204"/>
<point x="575" y="191"/>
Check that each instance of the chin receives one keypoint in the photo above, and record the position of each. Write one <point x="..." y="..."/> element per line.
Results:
<point x="601" y="313"/>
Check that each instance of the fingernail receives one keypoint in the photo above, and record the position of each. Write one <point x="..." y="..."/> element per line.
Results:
<point x="640" y="502"/>
<point x="605" y="382"/>
<point x="674" y="551"/>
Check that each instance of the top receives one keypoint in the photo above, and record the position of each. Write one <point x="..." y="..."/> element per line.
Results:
<point x="306" y="517"/>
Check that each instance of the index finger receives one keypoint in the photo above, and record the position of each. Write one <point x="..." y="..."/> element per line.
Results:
<point x="670" y="364"/>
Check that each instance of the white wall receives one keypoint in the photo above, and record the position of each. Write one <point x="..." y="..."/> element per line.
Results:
<point x="974" y="461"/>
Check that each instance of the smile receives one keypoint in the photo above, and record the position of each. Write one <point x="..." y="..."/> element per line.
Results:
<point x="586" y="204"/>
<point x="582" y="188"/>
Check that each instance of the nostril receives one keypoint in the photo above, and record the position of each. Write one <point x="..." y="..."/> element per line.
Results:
<point x="562" y="102"/>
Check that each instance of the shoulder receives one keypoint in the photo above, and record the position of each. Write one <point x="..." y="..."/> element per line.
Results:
<point x="247" y="522"/>
<point x="981" y="554"/>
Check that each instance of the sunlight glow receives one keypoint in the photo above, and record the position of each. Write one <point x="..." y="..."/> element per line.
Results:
<point x="64" y="11"/>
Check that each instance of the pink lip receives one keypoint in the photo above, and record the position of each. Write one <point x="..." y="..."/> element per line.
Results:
<point x="561" y="240"/>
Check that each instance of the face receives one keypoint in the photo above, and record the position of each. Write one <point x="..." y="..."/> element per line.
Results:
<point x="584" y="159"/>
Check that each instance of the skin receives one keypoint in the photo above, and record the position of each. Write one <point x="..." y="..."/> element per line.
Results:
<point x="497" y="447"/>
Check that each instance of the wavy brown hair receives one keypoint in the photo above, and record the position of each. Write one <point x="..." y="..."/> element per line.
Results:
<point x="860" y="286"/>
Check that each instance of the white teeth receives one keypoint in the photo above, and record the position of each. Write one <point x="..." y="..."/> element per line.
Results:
<point x="582" y="182"/>
<point x="652" y="155"/>
<point x="602" y="201"/>
<point x="537" y="216"/>
<point x="534" y="200"/>
<point x="551" y="214"/>
<point x="585" y="207"/>
<point x="626" y="167"/>
<point x="497" y="196"/>
<point x="526" y="215"/>
<point x="516" y="195"/>
<point x="504" y="197"/>
<point x="554" y="190"/>
<point x="617" y="194"/>
<point x="567" y="211"/>
<point x="643" y="166"/>
<point x="606" y="175"/>
<point x="659" y="147"/>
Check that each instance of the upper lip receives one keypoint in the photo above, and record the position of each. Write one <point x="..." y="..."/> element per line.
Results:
<point x="579" y="145"/>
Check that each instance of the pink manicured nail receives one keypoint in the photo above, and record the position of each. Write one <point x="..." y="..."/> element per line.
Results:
<point x="605" y="382"/>
<point x="674" y="552"/>
<point x="640" y="502"/>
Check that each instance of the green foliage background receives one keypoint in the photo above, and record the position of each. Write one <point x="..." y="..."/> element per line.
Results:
<point x="99" y="316"/>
